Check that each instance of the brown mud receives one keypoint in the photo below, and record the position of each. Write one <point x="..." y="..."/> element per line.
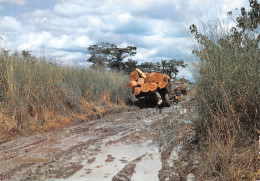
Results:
<point x="131" y="145"/>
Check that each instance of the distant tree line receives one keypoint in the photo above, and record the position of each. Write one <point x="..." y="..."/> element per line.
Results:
<point x="109" y="56"/>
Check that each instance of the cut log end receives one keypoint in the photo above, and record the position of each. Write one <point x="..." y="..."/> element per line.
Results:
<point x="153" y="86"/>
<point x="140" y="73"/>
<point x="136" y="90"/>
<point x="162" y="84"/>
<point x="131" y="84"/>
<point x="145" y="87"/>
<point x="166" y="78"/>
<point x="148" y="79"/>
<point x="134" y="76"/>
<point x="157" y="77"/>
<point x="140" y="81"/>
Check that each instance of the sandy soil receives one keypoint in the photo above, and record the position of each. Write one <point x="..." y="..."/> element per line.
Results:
<point x="120" y="147"/>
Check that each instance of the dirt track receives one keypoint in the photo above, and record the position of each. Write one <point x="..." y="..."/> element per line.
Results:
<point x="116" y="147"/>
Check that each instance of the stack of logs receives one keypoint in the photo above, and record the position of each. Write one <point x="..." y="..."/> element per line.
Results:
<point x="145" y="82"/>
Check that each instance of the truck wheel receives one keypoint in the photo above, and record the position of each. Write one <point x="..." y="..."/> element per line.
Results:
<point x="167" y="100"/>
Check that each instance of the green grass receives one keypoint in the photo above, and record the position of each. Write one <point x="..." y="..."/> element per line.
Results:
<point x="29" y="87"/>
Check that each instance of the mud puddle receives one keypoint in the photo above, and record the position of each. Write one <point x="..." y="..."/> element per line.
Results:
<point x="113" y="158"/>
<point x="118" y="146"/>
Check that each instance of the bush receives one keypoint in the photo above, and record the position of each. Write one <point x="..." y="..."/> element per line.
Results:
<point x="228" y="88"/>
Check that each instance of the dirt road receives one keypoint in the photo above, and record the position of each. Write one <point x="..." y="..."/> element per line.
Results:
<point x="117" y="147"/>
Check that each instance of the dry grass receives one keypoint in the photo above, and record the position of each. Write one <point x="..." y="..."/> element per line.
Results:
<point x="35" y="94"/>
<point x="228" y="97"/>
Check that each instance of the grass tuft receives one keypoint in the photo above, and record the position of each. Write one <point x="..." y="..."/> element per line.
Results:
<point x="228" y="96"/>
<point x="33" y="91"/>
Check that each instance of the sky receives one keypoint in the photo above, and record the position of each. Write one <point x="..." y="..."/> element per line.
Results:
<point x="61" y="30"/>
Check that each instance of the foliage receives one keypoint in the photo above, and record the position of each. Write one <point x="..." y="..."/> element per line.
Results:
<point x="99" y="55"/>
<point x="147" y="67"/>
<point x="228" y="89"/>
<point x="169" y="67"/>
<point x="118" y="55"/>
<point x="104" y="55"/>
<point x="164" y="65"/>
<point x="173" y="67"/>
<point x="129" y="66"/>
<point x="30" y="87"/>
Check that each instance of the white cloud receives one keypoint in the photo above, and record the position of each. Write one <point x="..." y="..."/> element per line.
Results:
<point x="157" y="28"/>
<point x="10" y="24"/>
<point x="124" y="17"/>
<point x="69" y="9"/>
<point x="15" y="2"/>
<point x="82" y="41"/>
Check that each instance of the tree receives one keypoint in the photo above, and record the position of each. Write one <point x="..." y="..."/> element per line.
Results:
<point x="109" y="55"/>
<point x="157" y="67"/>
<point x="164" y="64"/>
<point x="99" y="55"/>
<point x="147" y="66"/>
<point x="129" y="66"/>
<point x="118" y="55"/>
<point x="173" y="66"/>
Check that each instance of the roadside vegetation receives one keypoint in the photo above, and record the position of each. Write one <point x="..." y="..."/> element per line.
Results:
<point x="40" y="95"/>
<point x="104" y="55"/>
<point x="228" y="97"/>
<point x="35" y="94"/>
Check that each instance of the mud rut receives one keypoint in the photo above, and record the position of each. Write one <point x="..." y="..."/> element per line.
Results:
<point x="115" y="147"/>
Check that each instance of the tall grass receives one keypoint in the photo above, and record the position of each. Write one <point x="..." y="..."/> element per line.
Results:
<point x="228" y="96"/>
<point x="30" y="87"/>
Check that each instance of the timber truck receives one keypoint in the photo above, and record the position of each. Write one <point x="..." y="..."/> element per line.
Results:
<point x="155" y="89"/>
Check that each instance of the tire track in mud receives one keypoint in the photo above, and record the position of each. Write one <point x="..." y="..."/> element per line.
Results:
<point x="118" y="146"/>
<point x="60" y="155"/>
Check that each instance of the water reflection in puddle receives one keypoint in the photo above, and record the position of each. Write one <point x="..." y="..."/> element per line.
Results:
<point x="112" y="158"/>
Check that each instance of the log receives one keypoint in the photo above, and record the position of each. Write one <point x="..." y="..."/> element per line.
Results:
<point x="162" y="84"/>
<point x="134" y="76"/>
<point x="166" y="78"/>
<point x="141" y="73"/>
<point x="140" y="81"/>
<point x="157" y="77"/>
<point x="136" y="90"/>
<point x="131" y="84"/>
<point x="145" y="87"/>
<point x="153" y="86"/>
<point x="146" y="74"/>
<point x="148" y="79"/>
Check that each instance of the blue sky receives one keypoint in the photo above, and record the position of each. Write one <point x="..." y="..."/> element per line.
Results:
<point x="63" y="29"/>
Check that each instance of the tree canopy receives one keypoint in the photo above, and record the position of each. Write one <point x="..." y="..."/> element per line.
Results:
<point x="106" y="55"/>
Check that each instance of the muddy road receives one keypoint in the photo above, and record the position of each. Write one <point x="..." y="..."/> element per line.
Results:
<point x="120" y="146"/>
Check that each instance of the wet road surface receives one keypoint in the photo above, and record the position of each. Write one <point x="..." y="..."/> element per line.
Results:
<point x="115" y="147"/>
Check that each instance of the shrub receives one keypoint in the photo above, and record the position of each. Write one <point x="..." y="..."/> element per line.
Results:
<point x="228" y="95"/>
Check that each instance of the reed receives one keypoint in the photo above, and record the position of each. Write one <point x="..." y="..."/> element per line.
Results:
<point x="228" y="95"/>
<point x="31" y="87"/>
